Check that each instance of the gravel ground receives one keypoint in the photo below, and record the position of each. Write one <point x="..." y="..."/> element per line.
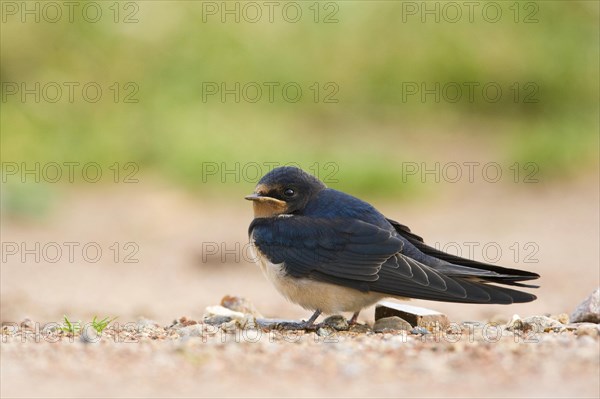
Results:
<point x="189" y="358"/>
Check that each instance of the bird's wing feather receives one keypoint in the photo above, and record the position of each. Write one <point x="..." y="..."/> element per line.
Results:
<point x="456" y="266"/>
<point x="441" y="287"/>
<point x="343" y="248"/>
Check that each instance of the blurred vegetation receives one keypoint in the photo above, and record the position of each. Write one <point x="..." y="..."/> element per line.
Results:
<point x="370" y="53"/>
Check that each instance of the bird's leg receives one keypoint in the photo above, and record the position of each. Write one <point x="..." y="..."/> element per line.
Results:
<point x="352" y="321"/>
<point x="303" y="325"/>
<point x="309" y="323"/>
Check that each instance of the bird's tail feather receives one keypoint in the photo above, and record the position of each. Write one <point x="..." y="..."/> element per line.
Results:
<point x="458" y="289"/>
<point x="500" y="275"/>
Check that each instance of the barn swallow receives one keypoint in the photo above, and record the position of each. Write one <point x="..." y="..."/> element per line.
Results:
<point x="330" y="252"/>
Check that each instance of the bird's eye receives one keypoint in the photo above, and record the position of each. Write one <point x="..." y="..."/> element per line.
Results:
<point x="288" y="192"/>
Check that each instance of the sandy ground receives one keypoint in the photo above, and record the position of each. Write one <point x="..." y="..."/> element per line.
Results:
<point x="191" y="252"/>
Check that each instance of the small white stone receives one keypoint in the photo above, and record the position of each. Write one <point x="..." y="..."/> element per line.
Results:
<point x="219" y="310"/>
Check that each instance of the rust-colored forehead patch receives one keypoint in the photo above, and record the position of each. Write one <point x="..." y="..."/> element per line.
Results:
<point x="260" y="189"/>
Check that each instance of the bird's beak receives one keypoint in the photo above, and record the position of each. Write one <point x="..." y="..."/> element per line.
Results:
<point x="265" y="207"/>
<point x="263" y="198"/>
<point x="253" y="197"/>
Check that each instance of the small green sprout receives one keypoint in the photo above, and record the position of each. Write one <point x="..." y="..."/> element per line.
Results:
<point x="71" y="327"/>
<point x="100" y="325"/>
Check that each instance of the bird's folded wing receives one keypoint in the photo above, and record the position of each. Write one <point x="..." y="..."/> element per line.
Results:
<point x="340" y="248"/>
<point x="360" y="255"/>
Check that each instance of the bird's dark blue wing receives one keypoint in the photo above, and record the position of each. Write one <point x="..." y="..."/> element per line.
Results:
<point x="348" y="249"/>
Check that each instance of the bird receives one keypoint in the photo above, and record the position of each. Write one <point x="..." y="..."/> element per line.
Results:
<point x="330" y="252"/>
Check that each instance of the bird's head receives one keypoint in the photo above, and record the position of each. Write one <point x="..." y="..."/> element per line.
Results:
<point x="284" y="190"/>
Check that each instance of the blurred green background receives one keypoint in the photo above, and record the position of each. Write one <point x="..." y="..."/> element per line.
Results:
<point x="368" y="57"/>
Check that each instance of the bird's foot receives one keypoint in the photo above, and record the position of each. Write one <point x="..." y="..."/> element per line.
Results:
<point x="353" y="321"/>
<point x="308" y="325"/>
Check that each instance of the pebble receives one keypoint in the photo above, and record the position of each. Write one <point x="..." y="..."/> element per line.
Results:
<point x="184" y="321"/>
<point x="194" y="330"/>
<point x="223" y="311"/>
<point x="239" y="304"/>
<point x="325" y="332"/>
<point x="393" y="323"/>
<point x="337" y="322"/>
<point x="146" y="323"/>
<point x="217" y="320"/>
<point x="27" y="324"/>
<point x="414" y="315"/>
<point x="589" y="329"/>
<point x="588" y="310"/>
<point x="535" y="324"/>
<point x="360" y="328"/>
<point x="419" y="331"/>
<point x="562" y="318"/>
<point x="231" y="326"/>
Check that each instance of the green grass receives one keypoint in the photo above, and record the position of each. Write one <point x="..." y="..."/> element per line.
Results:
<point x="100" y="325"/>
<point x="71" y="327"/>
<point x="75" y="327"/>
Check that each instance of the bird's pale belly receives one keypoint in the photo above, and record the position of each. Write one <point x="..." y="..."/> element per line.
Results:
<point x="313" y="295"/>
